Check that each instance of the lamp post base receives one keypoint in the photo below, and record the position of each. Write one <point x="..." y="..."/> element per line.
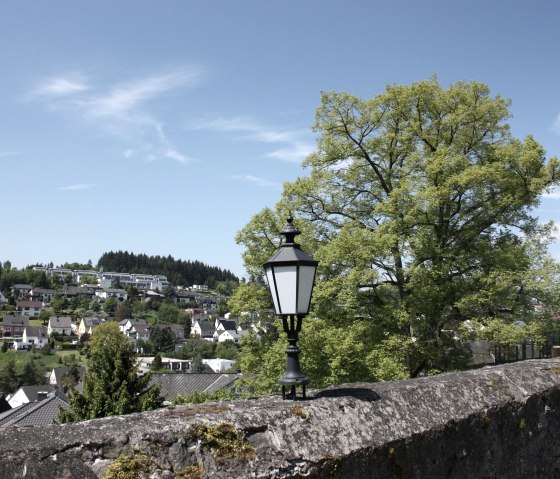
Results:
<point x="292" y="394"/>
<point x="293" y="375"/>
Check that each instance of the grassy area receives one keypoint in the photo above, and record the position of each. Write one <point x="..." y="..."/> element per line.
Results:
<point x="44" y="362"/>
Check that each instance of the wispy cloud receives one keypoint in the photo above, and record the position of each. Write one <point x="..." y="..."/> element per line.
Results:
<point x="256" y="180"/>
<point x="78" y="186"/>
<point x="554" y="194"/>
<point x="296" y="152"/>
<point x="64" y="85"/>
<point x="123" y="99"/>
<point x="121" y="109"/>
<point x="296" y="147"/>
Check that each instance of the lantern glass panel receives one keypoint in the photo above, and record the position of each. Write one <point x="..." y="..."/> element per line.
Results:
<point x="272" y="287"/>
<point x="305" y="287"/>
<point x="286" y="284"/>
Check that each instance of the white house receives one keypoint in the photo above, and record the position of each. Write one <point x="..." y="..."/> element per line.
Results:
<point x="37" y="335"/>
<point x="119" y="294"/>
<point x="219" y="365"/>
<point x="30" y="309"/>
<point x="200" y="287"/>
<point x="43" y="295"/>
<point x="221" y="336"/>
<point x="203" y="329"/>
<point x="135" y="329"/>
<point x="2" y="298"/>
<point x="178" y="365"/>
<point x="60" y="324"/>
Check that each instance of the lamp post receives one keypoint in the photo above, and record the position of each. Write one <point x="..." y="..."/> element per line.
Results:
<point x="290" y="273"/>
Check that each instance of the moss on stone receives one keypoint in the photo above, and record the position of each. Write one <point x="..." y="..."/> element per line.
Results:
<point x="190" y="472"/>
<point x="130" y="466"/>
<point x="300" y="411"/>
<point x="222" y="438"/>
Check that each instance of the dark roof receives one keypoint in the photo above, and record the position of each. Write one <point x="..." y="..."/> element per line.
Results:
<point x="174" y="327"/>
<point x="43" y="291"/>
<point x="133" y="322"/>
<point x="228" y="324"/>
<point x="206" y="327"/>
<point x="60" y="321"/>
<point x="7" y="416"/>
<point x="15" y="320"/>
<point x="180" y="294"/>
<point x="176" y="384"/>
<point x="38" y="413"/>
<point x="32" y="391"/>
<point x="90" y="321"/>
<point x="36" y="331"/>
<point x="29" y="304"/>
<point x="4" y="405"/>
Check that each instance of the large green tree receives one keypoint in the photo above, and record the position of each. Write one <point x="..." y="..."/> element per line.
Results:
<point x="112" y="385"/>
<point x="418" y="207"/>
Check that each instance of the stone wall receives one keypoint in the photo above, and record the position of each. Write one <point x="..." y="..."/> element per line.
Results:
<point x="497" y="422"/>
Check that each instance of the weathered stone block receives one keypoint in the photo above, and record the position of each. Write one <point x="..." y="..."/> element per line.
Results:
<point x="494" y="422"/>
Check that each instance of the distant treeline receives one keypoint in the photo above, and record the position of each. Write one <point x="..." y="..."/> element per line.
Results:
<point x="178" y="272"/>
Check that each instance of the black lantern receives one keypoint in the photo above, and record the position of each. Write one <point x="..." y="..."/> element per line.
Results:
<point x="290" y="273"/>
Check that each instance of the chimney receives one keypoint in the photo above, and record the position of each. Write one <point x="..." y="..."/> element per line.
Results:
<point x="41" y="395"/>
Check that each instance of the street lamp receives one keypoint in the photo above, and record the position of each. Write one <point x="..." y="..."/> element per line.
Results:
<point x="290" y="273"/>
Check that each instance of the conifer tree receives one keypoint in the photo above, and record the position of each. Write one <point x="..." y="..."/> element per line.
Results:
<point x="111" y="383"/>
<point x="9" y="381"/>
<point x="30" y="374"/>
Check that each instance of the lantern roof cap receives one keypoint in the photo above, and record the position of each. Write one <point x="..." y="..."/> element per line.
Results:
<point x="290" y="251"/>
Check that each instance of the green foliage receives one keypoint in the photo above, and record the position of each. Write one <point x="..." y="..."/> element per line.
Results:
<point x="193" y="347"/>
<point x="157" y="364"/>
<point x="19" y="368"/>
<point x="59" y="303"/>
<point x="10" y="276"/>
<point x="30" y="374"/>
<point x="253" y="297"/>
<point x="111" y="383"/>
<point x="170" y="313"/>
<point x="9" y="380"/>
<point x="123" y="311"/>
<point x="418" y="207"/>
<point x="226" y="350"/>
<point x="202" y="397"/>
<point x="110" y="305"/>
<point x="72" y="377"/>
<point x="162" y="339"/>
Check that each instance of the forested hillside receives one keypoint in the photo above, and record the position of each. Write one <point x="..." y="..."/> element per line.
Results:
<point x="178" y="272"/>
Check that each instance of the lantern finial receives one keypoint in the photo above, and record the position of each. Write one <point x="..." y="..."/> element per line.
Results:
<point x="290" y="231"/>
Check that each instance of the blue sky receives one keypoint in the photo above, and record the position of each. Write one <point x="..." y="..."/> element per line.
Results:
<point x="162" y="127"/>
